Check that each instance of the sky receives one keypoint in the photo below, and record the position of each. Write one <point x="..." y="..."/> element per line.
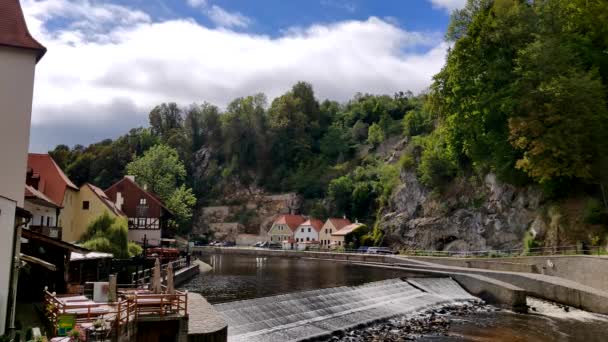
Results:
<point x="110" y="62"/>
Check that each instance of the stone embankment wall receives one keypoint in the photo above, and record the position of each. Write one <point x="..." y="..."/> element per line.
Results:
<point x="584" y="269"/>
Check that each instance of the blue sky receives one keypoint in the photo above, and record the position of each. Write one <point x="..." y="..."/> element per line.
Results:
<point x="110" y="62"/>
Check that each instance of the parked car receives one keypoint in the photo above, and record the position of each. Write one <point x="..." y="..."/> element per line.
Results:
<point x="362" y="249"/>
<point x="259" y="244"/>
<point x="379" y="250"/>
<point x="274" y="245"/>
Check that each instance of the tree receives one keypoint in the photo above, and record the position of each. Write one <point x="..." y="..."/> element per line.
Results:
<point x="165" y="120"/>
<point x="340" y="193"/>
<point x="163" y="173"/>
<point x="375" y="135"/>
<point x="110" y="235"/>
<point x="160" y="169"/>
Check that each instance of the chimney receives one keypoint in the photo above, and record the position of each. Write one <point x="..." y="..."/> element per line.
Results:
<point x="344" y="216"/>
<point x="145" y="187"/>
<point x="119" y="200"/>
<point x="131" y="178"/>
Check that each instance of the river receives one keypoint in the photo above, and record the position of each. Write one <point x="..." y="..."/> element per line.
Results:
<point x="240" y="277"/>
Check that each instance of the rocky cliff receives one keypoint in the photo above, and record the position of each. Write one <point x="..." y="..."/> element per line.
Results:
<point x="467" y="216"/>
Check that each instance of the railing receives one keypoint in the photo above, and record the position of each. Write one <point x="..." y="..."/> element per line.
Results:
<point x="144" y="276"/>
<point x="53" y="232"/>
<point x="134" y="304"/>
<point x="491" y="253"/>
<point x="498" y="253"/>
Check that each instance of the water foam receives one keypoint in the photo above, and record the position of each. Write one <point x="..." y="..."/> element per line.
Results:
<point x="303" y="315"/>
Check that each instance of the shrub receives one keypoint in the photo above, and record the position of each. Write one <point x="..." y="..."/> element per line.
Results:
<point x="406" y="162"/>
<point x="375" y="135"/>
<point x="529" y="243"/>
<point x="417" y="122"/>
<point x="437" y="165"/>
<point x="593" y="212"/>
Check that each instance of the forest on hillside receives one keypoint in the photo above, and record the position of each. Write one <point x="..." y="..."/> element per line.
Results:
<point x="523" y="94"/>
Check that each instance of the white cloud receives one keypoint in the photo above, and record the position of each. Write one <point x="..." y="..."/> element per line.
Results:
<point x="113" y="82"/>
<point x="449" y="5"/>
<point x="219" y="16"/>
<point x="223" y="18"/>
<point x="197" y="3"/>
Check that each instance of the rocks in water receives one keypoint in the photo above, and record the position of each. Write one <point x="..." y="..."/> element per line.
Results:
<point x="434" y="322"/>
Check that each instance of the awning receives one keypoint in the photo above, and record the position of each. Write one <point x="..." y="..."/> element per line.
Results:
<point x="31" y="235"/>
<point x="36" y="261"/>
<point x="75" y="256"/>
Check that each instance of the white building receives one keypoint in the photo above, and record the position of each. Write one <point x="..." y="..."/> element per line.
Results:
<point x="308" y="231"/>
<point x="19" y="53"/>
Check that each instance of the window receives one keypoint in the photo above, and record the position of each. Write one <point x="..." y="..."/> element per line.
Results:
<point x="330" y="231"/>
<point x="142" y="201"/>
<point x="307" y="239"/>
<point x="48" y="221"/>
<point x="302" y="230"/>
<point x="309" y="230"/>
<point x="85" y="205"/>
<point x="325" y="230"/>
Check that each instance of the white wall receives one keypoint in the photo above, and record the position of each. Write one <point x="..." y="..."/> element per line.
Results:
<point x="7" y="219"/>
<point x="39" y="211"/>
<point x="304" y="232"/>
<point x="17" y="68"/>
<point x="16" y="87"/>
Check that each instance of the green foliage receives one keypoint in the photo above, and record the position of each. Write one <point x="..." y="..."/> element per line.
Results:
<point x="375" y="135"/>
<point x="529" y="243"/>
<point x="406" y="161"/>
<point x="437" y="166"/>
<point x="357" y="236"/>
<point x="417" y="122"/>
<point x="109" y="235"/>
<point x="340" y="193"/>
<point x="594" y="212"/>
<point x="160" y="169"/>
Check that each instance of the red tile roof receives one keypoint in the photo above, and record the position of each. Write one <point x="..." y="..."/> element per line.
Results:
<point x="339" y="223"/>
<point x="292" y="221"/>
<point x="38" y="197"/>
<point x="347" y="229"/>
<point x="151" y="194"/>
<point x="13" y="29"/>
<point x="316" y="224"/>
<point x="104" y="198"/>
<point x="53" y="182"/>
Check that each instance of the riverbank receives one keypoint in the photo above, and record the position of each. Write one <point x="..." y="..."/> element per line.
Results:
<point x="477" y="322"/>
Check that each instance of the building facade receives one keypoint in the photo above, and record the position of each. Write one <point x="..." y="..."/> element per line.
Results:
<point x="44" y="175"/>
<point x="147" y="214"/>
<point x="92" y="202"/>
<point x="331" y="226"/>
<point x="19" y="53"/>
<point x="338" y="238"/>
<point x="44" y="212"/>
<point x="283" y="228"/>
<point x="308" y="231"/>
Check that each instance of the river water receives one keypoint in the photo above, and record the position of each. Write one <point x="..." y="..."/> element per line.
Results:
<point x="239" y="277"/>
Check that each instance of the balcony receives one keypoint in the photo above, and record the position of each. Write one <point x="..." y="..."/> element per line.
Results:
<point x="53" y="232"/>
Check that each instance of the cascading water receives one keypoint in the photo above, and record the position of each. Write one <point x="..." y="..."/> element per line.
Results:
<point x="303" y="315"/>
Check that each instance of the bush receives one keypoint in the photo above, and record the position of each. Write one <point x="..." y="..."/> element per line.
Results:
<point x="437" y="166"/>
<point x="406" y="162"/>
<point x="108" y="235"/>
<point x="375" y="135"/>
<point x="417" y="122"/>
<point x="593" y="212"/>
<point x="529" y="243"/>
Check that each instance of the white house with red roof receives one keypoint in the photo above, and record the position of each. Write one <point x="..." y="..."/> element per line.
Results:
<point x="307" y="234"/>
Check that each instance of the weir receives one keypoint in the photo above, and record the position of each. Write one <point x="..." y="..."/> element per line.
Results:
<point x="304" y="315"/>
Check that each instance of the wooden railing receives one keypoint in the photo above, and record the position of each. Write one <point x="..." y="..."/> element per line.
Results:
<point x="131" y="306"/>
<point x="53" y="232"/>
<point x="145" y="275"/>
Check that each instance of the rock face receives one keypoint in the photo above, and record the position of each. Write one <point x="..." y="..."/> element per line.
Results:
<point x="466" y="217"/>
<point x="253" y="213"/>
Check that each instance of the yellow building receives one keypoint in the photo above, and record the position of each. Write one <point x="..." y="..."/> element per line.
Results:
<point x="88" y="204"/>
<point x="338" y="238"/>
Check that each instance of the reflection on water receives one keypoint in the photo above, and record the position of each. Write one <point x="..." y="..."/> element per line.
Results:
<point x="240" y="277"/>
<point x="504" y="326"/>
